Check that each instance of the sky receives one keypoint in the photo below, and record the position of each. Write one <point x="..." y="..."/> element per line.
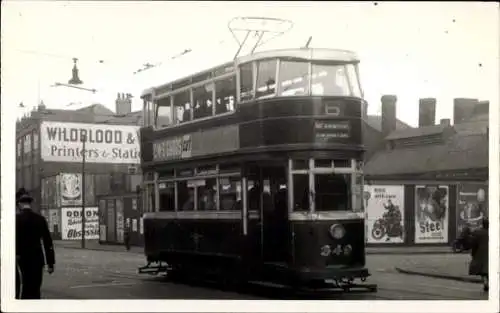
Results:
<point x="412" y="50"/>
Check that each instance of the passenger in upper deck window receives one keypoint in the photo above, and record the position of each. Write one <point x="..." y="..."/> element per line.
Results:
<point x="186" y="116"/>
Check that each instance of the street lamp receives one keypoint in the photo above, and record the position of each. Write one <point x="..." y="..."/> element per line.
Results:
<point x="84" y="139"/>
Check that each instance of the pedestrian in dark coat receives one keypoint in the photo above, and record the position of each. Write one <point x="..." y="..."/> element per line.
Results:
<point x="479" y="251"/>
<point x="31" y="229"/>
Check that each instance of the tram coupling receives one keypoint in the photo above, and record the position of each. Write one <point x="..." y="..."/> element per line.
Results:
<point x="154" y="269"/>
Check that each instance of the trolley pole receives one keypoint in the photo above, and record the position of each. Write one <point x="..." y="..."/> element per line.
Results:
<point x="84" y="139"/>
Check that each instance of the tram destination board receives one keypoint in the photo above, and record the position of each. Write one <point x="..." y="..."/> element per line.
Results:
<point x="332" y="130"/>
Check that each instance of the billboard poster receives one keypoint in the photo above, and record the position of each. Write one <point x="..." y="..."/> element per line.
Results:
<point x="384" y="209"/>
<point x="53" y="220"/>
<point x="120" y="221"/>
<point x="111" y="221"/>
<point x="472" y="205"/>
<point x="431" y="214"/>
<point x="70" y="189"/>
<point x="115" y="144"/>
<point x="72" y="223"/>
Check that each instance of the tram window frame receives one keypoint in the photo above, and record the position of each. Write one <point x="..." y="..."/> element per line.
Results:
<point x="183" y="199"/>
<point x="320" y="195"/>
<point x="149" y="197"/>
<point x="354" y="80"/>
<point x="200" y="190"/>
<point x="185" y="101"/>
<point x="228" y="94"/>
<point x="301" y="203"/>
<point x="327" y="85"/>
<point x="203" y="94"/>
<point x="359" y="205"/>
<point x="169" y="187"/>
<point x="268" y="67"/>
<point x="164" y="102"/>
<point x="236" y="206"/>
<point x="247" y="90"/>
<point x="149" y="112"/>
<point x="287" y="74"/>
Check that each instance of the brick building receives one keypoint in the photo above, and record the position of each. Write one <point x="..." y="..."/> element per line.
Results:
<point x="49" y="166"/>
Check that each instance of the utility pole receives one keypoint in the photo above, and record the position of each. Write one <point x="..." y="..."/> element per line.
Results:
<point x="84" y="139"/>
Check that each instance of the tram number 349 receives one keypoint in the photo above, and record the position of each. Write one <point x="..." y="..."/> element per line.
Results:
<point x="338" y="250"/>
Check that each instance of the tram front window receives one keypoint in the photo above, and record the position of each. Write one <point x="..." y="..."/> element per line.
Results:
<point x="334" y="80"/>
<point x="333" y="192"/>
<point x="167" y="196"/>
<point x="300" y="192"/>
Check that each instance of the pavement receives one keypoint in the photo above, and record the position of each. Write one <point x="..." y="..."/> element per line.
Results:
<point x="428" y="261"/>
<point x="98" y="274"/>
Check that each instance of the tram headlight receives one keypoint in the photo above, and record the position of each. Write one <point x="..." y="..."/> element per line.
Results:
<point x="337" y="231"/>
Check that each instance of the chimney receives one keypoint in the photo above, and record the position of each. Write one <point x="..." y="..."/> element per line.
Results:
<point x="123" y="103"/>
<point x="463" y="109"/>
<point x="388" y="114"/>
<point x="445" y="122"/>
<point x="426" y="112"/>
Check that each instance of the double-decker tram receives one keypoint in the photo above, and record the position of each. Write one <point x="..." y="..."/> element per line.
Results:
<point x="253" y="171"/>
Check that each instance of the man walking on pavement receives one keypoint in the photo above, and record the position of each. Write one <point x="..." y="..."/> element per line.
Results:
<point x="31" y="229"/>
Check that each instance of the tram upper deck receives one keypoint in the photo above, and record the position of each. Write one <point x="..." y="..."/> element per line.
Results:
<point x="293" y="100"/>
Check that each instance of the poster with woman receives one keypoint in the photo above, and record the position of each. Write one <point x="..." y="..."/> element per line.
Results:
<point x="431" y="214"/>
<point x="472" y="205"/>
<point x="384" y="213"/>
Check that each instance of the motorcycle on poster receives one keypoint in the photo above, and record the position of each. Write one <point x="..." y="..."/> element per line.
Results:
<point x="431" y="214"/>
<point x="384" y="213"/>
<point x="472" y="205"/>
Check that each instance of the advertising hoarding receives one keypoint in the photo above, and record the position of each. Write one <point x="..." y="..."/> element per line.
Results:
<point x="116" y="144"/>
<point x="431" y="214"/>
<point x="472" y="205"/>
<point x="71" y="219"/>
<point x="384" y="211"/>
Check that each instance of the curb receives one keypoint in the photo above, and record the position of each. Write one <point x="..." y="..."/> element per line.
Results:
<point x="98" y="249"/>
<point x="407" y="252"/>
<point x="442" y="276"/>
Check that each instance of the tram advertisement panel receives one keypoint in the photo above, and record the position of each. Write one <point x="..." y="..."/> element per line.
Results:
<point x="472" y="205"/>
<point x="72" y="223"/>
<point x="431" y="214"/>
<point x="384" y="213"/>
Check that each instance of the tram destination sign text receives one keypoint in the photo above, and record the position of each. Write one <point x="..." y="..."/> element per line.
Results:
<point x="331" y="130"/>
<point x="117" y="144"/>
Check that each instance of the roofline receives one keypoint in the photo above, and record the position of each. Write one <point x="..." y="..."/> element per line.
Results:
<point x="306" y="54"/>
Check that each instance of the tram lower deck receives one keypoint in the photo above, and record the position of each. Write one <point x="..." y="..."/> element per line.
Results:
<point x="292" y="223"/>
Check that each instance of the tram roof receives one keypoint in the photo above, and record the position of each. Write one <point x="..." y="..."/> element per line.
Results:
<point x="306" y="54"/>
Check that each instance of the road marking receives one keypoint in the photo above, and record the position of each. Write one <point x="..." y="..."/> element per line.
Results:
<point x="103" y="285"/>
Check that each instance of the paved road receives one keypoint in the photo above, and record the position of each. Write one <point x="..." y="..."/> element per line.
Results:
<point x="86" y="274"/>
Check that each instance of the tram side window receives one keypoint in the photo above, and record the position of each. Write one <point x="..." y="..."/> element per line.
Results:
<point x="207" y="195"/>
<point x="352" y="75"/>
<point x="230" y="193"/>
<point x="163" y="113"/>
<point x="167" y="196"/>
<point x="225" y="95"/>
<point x="185" y="196"/>
<point x="301" y="192"/>
<point x="333" y="192"/>
<point x="266" y="78"/>
<point x="294" y="78"/>
<point x="246" y="82"/>
<point x="202" y="101"/>
<point x="182" y="107"/>
<point x="329" y="80"/>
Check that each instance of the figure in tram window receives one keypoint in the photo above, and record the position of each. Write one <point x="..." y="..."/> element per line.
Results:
<point x="207" y="200"/>
<point x="186" y="116"/>
<point x="189" y="204"/>
<point x="220" y="106"/>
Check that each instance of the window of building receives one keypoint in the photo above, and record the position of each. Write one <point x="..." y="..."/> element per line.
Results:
<point x="301" y="192"/>
<point x="27" y="180"/>
<point x="225" y="95"/>
<point x="163" y="112"/>
<point x="166" y="196"/>
<point x="207" y="194"/>
<point x="266" y="78"/>
<point x="19" y="147"/>
<point x="103" y="184"/>
<point x="294" y="78"/>
<point x="333" y="192"/>
<point x="202" y="101"/>
<point x="230" y="193"/>
<point x="329" y="80"/>
<point x="182" y="107"/>
<point x="185" y="196"/>
<point x="149" y="113"/>
<point x="246" y="82"/>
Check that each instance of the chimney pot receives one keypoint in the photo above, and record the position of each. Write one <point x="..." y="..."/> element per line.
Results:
<point x="388" y="114"/>
<point x="463" y="109"/>
<point x="426" y="112"/>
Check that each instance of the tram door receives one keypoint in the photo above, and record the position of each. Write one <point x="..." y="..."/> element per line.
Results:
<point x="270" y="195"/>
